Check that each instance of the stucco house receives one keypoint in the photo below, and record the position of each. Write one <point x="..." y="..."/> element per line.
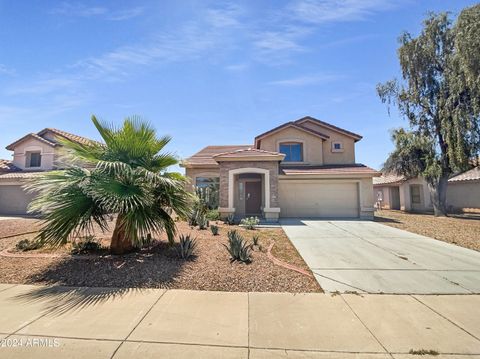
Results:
<point x="34" y="153"/>
<point x="412" y="194"/>
<point x="303" y="168"/>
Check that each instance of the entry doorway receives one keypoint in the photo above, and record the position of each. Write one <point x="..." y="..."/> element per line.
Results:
<point x="394" y="197"/>
<point x="253" y="198"/>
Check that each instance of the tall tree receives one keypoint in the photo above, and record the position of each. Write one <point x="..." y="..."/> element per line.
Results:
<point x="125" y="176"/>
<point x="439" y="95"/>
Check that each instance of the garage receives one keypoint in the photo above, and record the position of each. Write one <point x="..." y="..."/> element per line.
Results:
<point x="318" y="199"/>
<point x="14" y="200"/>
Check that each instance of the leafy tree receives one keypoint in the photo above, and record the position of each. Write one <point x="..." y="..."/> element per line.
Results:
<point x="439" y="95"/>
<point x="126" y="177"/>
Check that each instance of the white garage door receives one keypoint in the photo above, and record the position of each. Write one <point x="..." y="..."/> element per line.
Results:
<point x="318" y="199"/>
<point x="14" y="200"/>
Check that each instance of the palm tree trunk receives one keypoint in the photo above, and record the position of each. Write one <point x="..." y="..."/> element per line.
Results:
<point x="120" y="243"/>
<point x="439" y="197"/>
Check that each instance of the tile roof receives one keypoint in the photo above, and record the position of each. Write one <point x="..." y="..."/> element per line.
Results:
<point x="8" y="166"/>
<point x="19" y="175"/>
<point x="204" y="157"/>
<point x="389" y="178"/>
<point x="39" y="136"/>
<point x="290" y="124"/>
<point x="328" y="125"/>
<point x="247" y="153"/>
<point x="67" y="135"/>
<point x="471" y="175"/>
<point x="356" y="168"/>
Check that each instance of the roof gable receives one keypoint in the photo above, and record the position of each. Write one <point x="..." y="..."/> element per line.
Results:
<point x="35" y="136"/>
<point x="50" y="140"/>
<point x="289" y="125"/>
<point x="329" y="126"/>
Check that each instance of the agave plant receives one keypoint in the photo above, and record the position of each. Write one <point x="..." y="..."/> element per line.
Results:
<point x="187" y="246"/>
<point x="238" y="248"/>
<point x="214" y="229"/>
<point x="125" y="176"/>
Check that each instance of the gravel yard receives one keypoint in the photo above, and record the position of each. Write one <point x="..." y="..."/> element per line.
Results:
<point x="160" y="266"/>
<point x="462" y="230"/>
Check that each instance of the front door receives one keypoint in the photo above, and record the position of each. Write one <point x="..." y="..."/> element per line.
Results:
<point x="395" y="198"/>
<point x="253" y="198"/>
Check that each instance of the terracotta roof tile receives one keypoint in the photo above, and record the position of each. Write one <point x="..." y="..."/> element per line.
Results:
<point x="471" y="175"/>
<point x="8" y="166"/>
<point x="389" y="178"/>
<point x="356" y="168"/>
<point x="19" y="175"/>
<point x="248" y="152"/>
<point x="294" y="125"/>
<point x="204" y="157"/>
<point x="67" y="135"/>
<point x="326" y="124"/>
<point x="11" y="146"/>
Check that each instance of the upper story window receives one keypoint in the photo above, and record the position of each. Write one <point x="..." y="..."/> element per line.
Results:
<point x="293" y="151"/>
<point x="337" y="146"/>
<point x="33" y="159"/>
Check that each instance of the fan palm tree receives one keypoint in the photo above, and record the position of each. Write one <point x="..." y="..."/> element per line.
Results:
<point x="126" y="177"/>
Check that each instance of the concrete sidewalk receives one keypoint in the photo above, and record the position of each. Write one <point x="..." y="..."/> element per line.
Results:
<point x="60" y="322"/>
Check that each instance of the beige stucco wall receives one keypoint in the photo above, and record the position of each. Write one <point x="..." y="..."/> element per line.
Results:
<point x="312" y="145"/>
<point x="405" y="202"/>
<point x="31" y="144"/>
<point x="14" y="200"/>
<point x="463" y="194"/>
<point x="329" y="157"/>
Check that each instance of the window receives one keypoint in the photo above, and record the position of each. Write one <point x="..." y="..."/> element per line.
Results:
<point x="207" y="189"/>
<point x="293" y="151"/>
<point x="337" y="146"/>
<point x="33" y="159"/>
<point x="415" y="194"/>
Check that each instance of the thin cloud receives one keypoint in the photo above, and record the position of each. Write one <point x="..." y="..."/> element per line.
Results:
<point x="324" y="11"/>
<point x="227" y="16"/>
<point x="80" y="10"/>
<point x="308" y="80"/>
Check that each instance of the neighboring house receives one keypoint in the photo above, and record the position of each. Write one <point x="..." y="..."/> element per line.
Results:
<point x="398" y="192"/>
<point x="32" y="154"/>
<point x="304" y="168"/>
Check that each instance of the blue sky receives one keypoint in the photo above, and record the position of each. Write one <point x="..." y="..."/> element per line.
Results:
<point x="204" y="72"/>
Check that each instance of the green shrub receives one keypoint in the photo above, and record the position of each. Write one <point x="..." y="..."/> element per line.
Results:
<point x="255" y="239"/>
<point x="238" y="248"/>
<point x="250" y="222"/>
<point x="187" y="246"/>
<point x="230" y="219"/>
<point x="86" y="245"/>
<point x="28" y="245"/>
<point x="192" y="217"/>
<point x="214" y="229"/>
<point x="213" y="215"/>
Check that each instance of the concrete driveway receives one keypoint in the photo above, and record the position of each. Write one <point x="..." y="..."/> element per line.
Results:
<point x="364" y="256"/>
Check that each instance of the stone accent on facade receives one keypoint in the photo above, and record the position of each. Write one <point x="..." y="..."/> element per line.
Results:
<point x="227" y="166"/>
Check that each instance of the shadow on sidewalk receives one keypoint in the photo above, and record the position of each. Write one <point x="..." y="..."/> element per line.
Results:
<point x="60" y="300"/>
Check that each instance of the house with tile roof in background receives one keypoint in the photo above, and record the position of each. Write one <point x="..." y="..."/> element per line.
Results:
<point x="302" y="168"/>
<point x="34" y="153"/>
<point x="412" y="194"/>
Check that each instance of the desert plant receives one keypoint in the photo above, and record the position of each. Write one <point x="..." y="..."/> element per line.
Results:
<point x="28" y="245"/>
<point x="250" y="222"/>
<point x="85" y="245"/>
<point x="214" y="229"/>
<point x="146" y="241"/>
<point x="238" y="248"/>
<point x="230" y="219"/>
<point x="125" y="176"/>
<point x="187" y="246"/>
<point x="255" y="239"/>
<point x="213" y="215"/>
<point x="202" y="222"/>
<point x="192" y="217"/>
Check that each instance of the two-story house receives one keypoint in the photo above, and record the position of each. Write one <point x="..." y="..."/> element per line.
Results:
<point x="32" y="154"/>
<point x="303" y="168"/>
